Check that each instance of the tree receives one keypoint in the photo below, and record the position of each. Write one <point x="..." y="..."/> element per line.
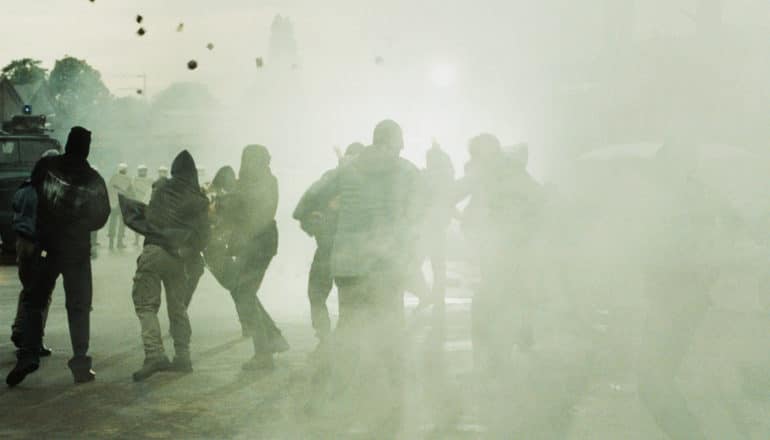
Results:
<point x="24" y="71"/>
<point x="77" y="87"/>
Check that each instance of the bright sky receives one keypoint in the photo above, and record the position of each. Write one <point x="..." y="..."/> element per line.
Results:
<point x="103" y="32"/>
<point x="454" y="68"/>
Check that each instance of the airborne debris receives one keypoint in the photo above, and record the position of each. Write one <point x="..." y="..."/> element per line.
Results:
<point x="139" y="91"/>
<point x="210" y="46"/>
<point x="260" y="63"/>
<point x="141" y="32"/>
<point x="180" y="28"/>
<point x="192" y="64"/>
<point x="139" y="19"/>
<point x="379" y="61"/>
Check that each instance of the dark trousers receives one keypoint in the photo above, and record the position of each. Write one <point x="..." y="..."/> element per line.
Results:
<point x="253" y="316"/>
<point x="320" y="283"/>
<point x="74" y="266"/>
<point x="29" y="270"/>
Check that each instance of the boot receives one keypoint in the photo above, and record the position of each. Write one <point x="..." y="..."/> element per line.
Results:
<point x="181" y="364"/>
<point x="81" y="369"/>
<point x="20" y="371"/>
<point x="150" y="367"/>
<point x="260" y="362"/>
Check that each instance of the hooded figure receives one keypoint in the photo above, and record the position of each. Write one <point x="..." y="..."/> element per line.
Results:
<point x="249" y="215"/>
<point x="176" y="229"/>
<point x="224" y="181"/>
<point x="72" y="202"/>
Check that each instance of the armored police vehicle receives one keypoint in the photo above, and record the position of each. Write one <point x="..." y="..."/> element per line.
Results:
<point x="23" y="140"/>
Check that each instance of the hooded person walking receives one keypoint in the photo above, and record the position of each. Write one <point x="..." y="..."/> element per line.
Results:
<point x="176" y="229"/>
<point x="72" y="203"/>
<point x="249" y="213"/>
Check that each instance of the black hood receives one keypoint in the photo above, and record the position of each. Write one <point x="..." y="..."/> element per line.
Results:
<point x="255" y="162"/>
<point x="225" y="179"/>
<point x="78" y="144"/>
<point x="183" y="168"/>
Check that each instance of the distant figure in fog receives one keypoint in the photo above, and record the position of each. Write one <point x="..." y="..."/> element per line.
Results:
<point x="501" y="219"/>
<point x="72" y="202"/>
<point x="248" y="213"/>
<point x="162" y="174"/>
<point x="119" y="184"/>
<point x="379" y="208"/>
<point x="439" y="180"/>
<point x="142" y="190"/>
<point x="24" y="205"/>
<point x="142" y="185"/>
<point x="320" y="222"/>
<point x="176" y="232"/>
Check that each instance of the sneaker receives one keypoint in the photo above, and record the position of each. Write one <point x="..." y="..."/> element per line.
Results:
<point x="150" y="367"/>
<point x="84" y="375"/>
<point x="259" y="362"/>
<point x="19" y="372"/>
<point x="181" y="364"/>
<point x="45" y="351"/>
<point x="81" y="369"/>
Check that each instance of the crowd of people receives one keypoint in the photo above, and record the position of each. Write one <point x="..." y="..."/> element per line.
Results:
<point x="375" y="218"/>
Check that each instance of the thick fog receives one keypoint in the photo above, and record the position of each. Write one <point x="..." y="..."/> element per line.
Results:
<point x="606" y="246"/>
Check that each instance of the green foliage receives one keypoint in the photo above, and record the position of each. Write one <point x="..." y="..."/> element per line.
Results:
<point x="24" y="71"/>
<point x="76" y="86"/>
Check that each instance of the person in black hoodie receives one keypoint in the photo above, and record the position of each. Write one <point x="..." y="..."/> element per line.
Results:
<point x="72" y="202"/>
<point x="177" y="231"/>
<point x="249" y="213"/>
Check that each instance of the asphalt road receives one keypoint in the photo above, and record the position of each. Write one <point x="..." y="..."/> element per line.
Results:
<point x="566" y="388"/>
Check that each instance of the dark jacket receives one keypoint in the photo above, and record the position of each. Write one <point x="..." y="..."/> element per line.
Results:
<point x="72" y="197"/>
<point x="178" y="210"/>
<point x="380" y="204"/>
<point x="24" y="205"/>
